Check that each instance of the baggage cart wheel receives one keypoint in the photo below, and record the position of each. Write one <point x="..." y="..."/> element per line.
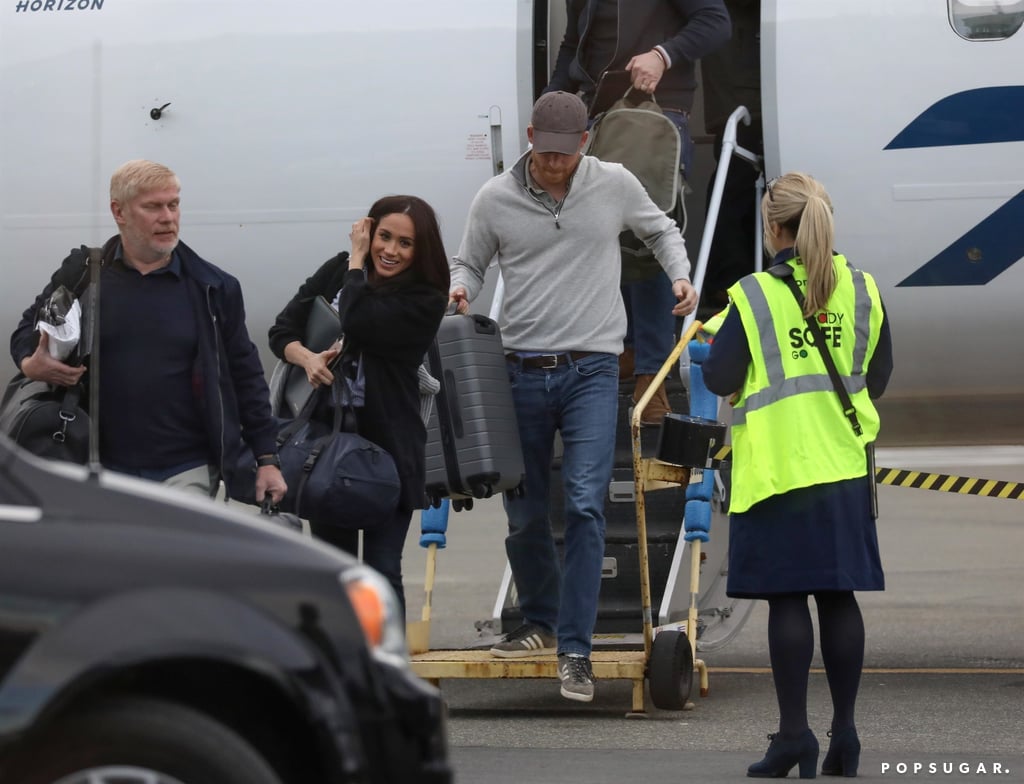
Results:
<point x="670" y="670"/>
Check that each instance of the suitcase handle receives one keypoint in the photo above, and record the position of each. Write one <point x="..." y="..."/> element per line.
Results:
<point x="484" y="325"/>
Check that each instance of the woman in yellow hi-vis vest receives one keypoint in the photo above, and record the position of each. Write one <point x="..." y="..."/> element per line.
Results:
<point x="802" y="509"/>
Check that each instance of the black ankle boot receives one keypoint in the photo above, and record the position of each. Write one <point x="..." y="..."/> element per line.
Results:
<point x="784" y="754"/>
<point x="843" y="755"/>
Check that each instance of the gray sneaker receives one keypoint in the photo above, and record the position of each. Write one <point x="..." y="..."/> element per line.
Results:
<point x="528" y="640"/>
<point x="577" y="677"/>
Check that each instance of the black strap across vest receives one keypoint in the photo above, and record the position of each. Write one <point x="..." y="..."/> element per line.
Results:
<point x="826" y="356"/>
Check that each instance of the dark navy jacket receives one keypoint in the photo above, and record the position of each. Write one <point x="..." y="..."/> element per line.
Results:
<point x="233" y="394"/>
<point x="686" y="29"/>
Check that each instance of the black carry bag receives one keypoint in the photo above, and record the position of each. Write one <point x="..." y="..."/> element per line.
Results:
<point x="473" y="448"/>
<point x="333" y="475"/>
<point x="51" y="421"/>
<point x="46" y="420"/>
<point x="285" y="519"/>
<point x="323" y="329"/>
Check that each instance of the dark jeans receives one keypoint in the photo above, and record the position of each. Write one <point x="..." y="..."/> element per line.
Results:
<point x="382" y="546"/>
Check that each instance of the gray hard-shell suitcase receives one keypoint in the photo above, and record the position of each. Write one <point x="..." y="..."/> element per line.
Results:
<point x="473" y="448"/>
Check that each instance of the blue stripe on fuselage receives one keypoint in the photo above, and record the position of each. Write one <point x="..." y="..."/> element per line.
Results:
<point x="996" y="244"/>
<point x="985" y="115"/>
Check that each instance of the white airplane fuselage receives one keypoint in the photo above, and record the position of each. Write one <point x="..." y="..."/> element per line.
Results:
<point x="286" y="121"/>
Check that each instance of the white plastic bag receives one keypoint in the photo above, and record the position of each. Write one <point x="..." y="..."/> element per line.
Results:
<point x="64" y="336"/>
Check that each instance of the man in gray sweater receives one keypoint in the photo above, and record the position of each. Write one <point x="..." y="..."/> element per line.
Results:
<point x="553" y="222"/>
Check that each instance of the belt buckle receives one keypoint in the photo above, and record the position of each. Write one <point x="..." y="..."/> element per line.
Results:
<point x="548" y="358"/>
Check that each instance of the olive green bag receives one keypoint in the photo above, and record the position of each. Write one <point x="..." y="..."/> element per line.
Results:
<point x="636" y="133"/>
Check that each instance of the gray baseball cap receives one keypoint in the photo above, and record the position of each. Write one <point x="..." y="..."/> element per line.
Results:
<point x="559" y="120"/>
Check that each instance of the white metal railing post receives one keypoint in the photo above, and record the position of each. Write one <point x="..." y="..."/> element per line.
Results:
<point x="729" y="149"/>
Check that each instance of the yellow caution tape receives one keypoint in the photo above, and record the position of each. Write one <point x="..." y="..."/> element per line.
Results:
<point x="722" y="453"/>
<point x="946" y="483"/>
<point x="943" y="483"/>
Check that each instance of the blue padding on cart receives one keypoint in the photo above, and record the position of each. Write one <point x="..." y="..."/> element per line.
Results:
<point x="434" y="524"/>
<point x="703" y="490"/>
<point x="703" y="403"/>
<point x="698" y="351"/>
<point x="428" y="539"/>
<point x="697" y="521"/>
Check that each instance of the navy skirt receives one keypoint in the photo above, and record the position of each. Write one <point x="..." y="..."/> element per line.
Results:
<point x="819" y="538"/>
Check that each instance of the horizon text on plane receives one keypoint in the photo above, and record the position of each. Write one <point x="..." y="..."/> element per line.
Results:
<point x="28" y="6"/>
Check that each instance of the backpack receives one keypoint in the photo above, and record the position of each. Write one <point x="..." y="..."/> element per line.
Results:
<point x="637" y="134"/>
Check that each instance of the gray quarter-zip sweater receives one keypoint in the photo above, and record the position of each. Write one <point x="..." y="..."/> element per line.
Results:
<point x="561" y="263"/>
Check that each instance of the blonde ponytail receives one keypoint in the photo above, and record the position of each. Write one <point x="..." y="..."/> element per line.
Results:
<point x="799" y="203"/>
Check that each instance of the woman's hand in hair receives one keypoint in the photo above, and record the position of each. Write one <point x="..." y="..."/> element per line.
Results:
<point x="360" y="235"/>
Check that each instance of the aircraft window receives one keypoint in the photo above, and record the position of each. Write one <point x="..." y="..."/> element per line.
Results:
<point x="986" y="20"/>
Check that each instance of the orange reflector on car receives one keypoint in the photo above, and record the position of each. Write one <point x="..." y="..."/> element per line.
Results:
<point x="369" y="609"/>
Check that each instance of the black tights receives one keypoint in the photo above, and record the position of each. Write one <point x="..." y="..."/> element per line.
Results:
<point x="791" y="647"/>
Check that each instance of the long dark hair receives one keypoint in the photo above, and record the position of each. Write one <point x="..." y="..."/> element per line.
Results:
<point x="429" y="261"/>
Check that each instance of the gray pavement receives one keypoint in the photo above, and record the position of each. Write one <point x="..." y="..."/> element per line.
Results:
<point x="942" y="696"/>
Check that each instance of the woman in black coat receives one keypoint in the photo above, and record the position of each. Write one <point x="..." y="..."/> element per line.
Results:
<point x="391" y="293"/>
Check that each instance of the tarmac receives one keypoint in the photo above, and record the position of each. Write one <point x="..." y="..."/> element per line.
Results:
<point x="942" y="695"/>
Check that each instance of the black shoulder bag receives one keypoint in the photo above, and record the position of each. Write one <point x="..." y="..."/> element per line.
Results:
<point x="50" y="421"/>
<point x="334" y="475"/>
<point x="785" y="272"/>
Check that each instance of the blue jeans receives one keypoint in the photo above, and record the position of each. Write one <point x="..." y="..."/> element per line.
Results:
<point x="650" y="323"/>
<point x="682" y="123"/>
<point x="580" y="400"/>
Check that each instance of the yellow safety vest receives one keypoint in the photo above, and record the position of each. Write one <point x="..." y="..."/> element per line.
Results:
<point x="789" y="430"/>
<point x="713" y="324"/>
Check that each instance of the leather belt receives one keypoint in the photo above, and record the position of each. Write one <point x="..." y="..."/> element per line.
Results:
<point x="548" y="361"/>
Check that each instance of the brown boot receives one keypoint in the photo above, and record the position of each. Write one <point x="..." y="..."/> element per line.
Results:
<point x="658" y="405"/>
<point x="626" y="364"/>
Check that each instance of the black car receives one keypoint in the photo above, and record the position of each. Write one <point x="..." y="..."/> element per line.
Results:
<point x="152" y="637"/>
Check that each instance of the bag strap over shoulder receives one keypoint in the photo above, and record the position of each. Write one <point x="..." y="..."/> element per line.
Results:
<point x="340" y="422"/>
<point x="95" y="264"/>
<point x="837" y="382"/>
<point x="826" y="356"/>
